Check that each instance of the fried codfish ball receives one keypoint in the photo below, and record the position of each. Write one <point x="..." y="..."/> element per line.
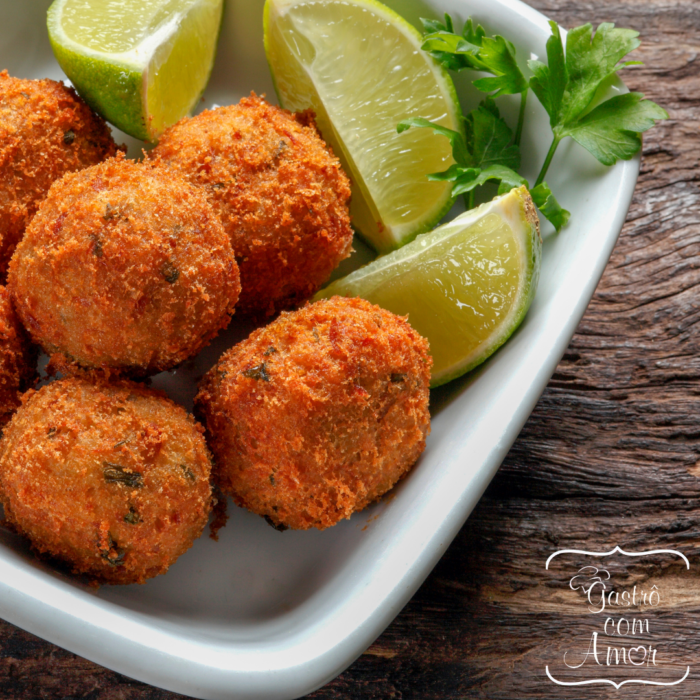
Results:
<point x="112" y="479"/>
<point x="125" y="266"/>
<point x="17" y="359"/>
<point x="281" y="194"/>
<point x="46" y="130"/>
<point x="318" y="414"/>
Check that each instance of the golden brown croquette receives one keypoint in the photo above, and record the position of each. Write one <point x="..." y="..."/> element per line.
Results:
<point x="17" y="359"/>
<point x="318" y="414"/>
<point x="125" y="265"/>
<point x="112" y="479"/>
<point x="46" y="130"/>
<point x="281" y="194"/>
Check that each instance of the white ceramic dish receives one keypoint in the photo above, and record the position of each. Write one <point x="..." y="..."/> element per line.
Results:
<point x="271" y="615"/>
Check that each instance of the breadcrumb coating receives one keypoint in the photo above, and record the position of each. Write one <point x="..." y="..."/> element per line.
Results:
<point x="46" y="130"/>
<point x="17" y="359"/>
<point x="112" y="479"/>
<point x="126" y="267"/>
<point x="318" y="414"/>
<point x="281" y="194"/>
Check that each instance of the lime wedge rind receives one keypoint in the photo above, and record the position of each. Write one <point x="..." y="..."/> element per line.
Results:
<point x="391" y="205"/>
<point x="507" y="223"/>
<point x="114" y="94"/>
<point x="120" y="85"/>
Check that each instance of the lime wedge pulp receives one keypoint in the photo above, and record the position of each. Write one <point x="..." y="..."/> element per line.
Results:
<point x="466" y="286"/>
<point x="141" y="65"/>
<point x="360" y="67"/>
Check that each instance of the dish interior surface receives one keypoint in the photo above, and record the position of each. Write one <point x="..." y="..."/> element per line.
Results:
<point x="264" y="614"/>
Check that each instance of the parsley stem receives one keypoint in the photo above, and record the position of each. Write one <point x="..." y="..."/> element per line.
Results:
<point x="548" y="160"/>
<point x="521" y="117"/>
<point x="469" y="200"/>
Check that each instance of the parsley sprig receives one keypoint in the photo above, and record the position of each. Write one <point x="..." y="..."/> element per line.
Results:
<point x="485" y="152"/>
<point x="474" y="50"/>
<point x="569" y="86"/>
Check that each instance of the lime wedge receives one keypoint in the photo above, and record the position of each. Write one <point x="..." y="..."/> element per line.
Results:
<point x="466" y="286"/>
<point x="360" y="67"/>
<point x="141" y="65"/>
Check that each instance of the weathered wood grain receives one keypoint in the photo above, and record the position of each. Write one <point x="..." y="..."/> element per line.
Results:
<point x="610" y="456"/>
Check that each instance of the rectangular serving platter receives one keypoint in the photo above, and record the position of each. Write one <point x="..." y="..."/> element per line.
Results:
<point x="270" y="615"/>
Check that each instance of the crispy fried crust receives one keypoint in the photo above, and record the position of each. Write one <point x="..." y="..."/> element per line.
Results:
<point x="17" y="359"/>
<point x="318" y="414"/>
<point x="125" y="265"/>
<point x="280" y="192"/>
<point x="46" y="130"/>
<point x="111" y="478"/>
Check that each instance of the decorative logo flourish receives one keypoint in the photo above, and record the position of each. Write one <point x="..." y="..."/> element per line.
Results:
<point x="617" y="685"/>
<point x="618" y="550"/>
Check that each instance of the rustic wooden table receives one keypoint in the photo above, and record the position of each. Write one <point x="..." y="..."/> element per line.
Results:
<point x="610" y="456"/>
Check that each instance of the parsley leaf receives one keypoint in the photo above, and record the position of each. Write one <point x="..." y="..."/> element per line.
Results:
<point x="612" y="130"/>
<point x="431" y="26"/>
<point x="456" y="52"/>
<point x="489" y="139"/>
<point x="567" y="87"/>
<point x="551" y="209"/>
<point x="549" y="81"/>
<point x="476" y="51"/>
<point x="591" y="60"/>
<point x="498" y="57"/>
<point x="459" y="146"/>
<point x="453" y="51"/>
<point x="471" y="178"/>
<point x="471" y="32"/>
